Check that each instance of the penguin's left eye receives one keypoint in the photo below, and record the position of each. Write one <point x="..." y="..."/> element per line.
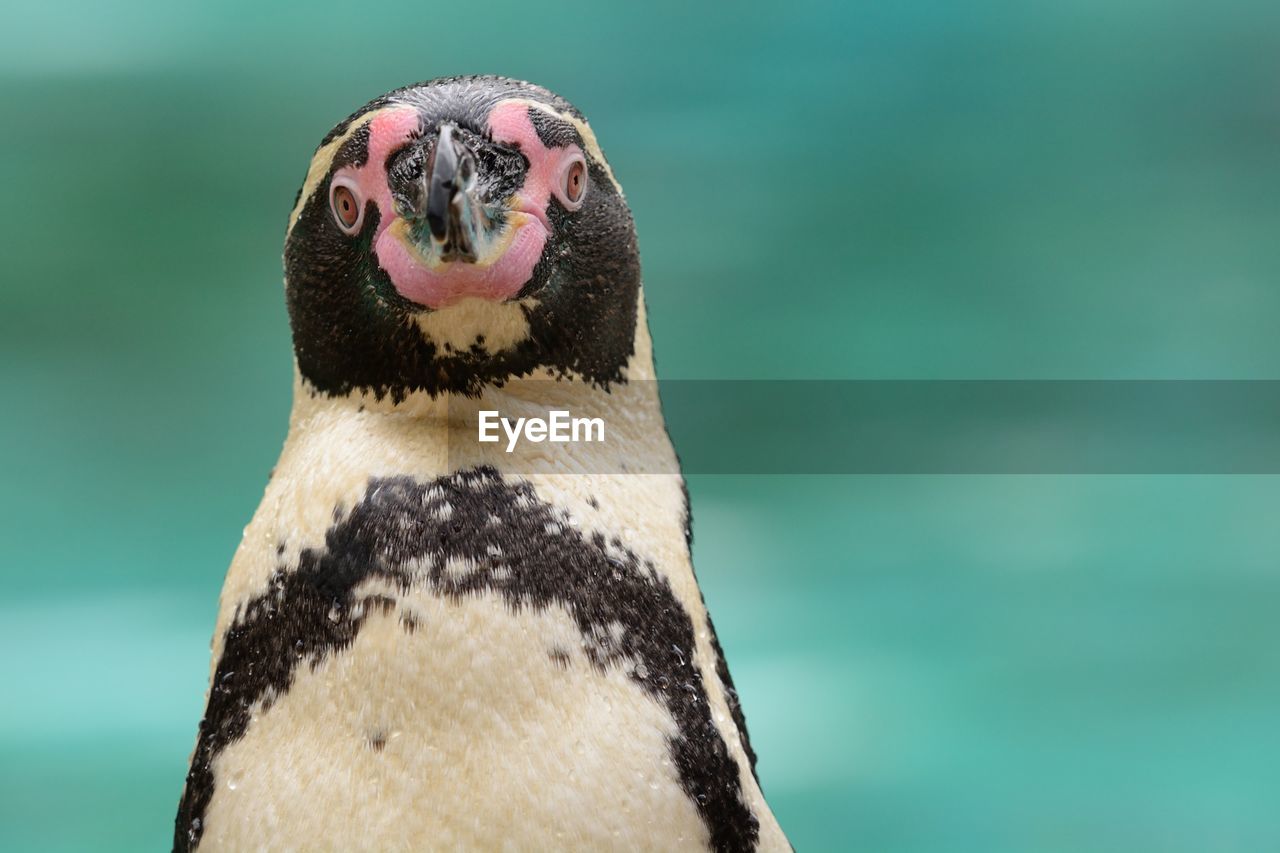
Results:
<point x="344" y="201"/>
<point x="572" y="188"/>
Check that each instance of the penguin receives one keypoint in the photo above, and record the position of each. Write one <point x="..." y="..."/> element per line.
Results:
<point x="428" y="641"/>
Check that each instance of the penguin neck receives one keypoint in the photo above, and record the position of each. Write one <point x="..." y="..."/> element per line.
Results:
<point x="309" y="404"/>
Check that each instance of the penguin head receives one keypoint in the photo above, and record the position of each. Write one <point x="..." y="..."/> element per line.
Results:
<point x="457" y="233"/>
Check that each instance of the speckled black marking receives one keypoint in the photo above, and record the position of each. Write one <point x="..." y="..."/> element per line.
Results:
<point x="731" y="697"/>
<point x="379" y="603"/>
<point x="722" y="664"/>
<point x="353" y="331"/>
<point x="353" y="152"/>
<point x="628" y="617"/>
<point x="554" y="132"/>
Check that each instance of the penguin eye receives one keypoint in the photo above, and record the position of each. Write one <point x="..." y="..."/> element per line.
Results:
<point x="344" y="201"/>
<point x="573" y="183"/>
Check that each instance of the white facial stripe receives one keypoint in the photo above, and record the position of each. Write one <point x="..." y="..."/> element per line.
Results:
<point x="323" y="159"/>
<point x="584" y="130"/>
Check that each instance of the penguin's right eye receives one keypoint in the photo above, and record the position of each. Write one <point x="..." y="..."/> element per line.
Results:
<point x="344" y="201"/>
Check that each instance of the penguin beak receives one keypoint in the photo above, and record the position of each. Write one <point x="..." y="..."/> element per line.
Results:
<point x="460" y="223"/>
<point x="455" y="216"/>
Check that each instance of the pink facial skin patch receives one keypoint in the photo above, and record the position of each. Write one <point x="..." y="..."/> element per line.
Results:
<point x="509" y="261"/>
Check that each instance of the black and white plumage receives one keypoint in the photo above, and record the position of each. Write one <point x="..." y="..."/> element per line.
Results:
<point x="421" y="646"/>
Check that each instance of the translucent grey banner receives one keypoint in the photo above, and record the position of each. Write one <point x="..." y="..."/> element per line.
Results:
<point x="878" y="427"/>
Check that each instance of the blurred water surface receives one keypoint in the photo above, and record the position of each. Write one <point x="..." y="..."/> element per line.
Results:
<point x="926" y="190"/>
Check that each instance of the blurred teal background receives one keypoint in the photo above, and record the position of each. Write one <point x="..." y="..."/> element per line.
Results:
<point x="891" y="190"/>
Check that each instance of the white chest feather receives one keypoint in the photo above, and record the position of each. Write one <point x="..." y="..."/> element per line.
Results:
<point x="417" y="650"/>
